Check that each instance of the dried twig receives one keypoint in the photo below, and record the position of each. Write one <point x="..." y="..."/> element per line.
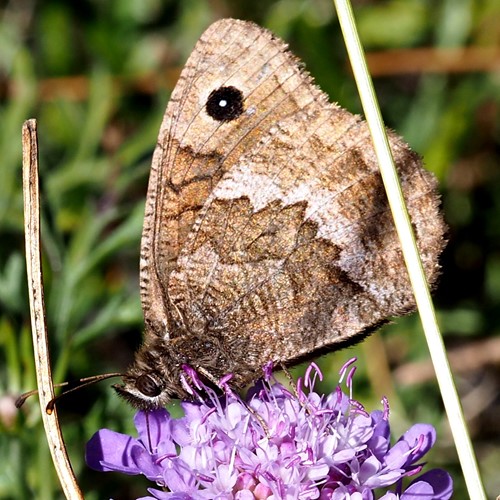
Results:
<point x="37" y="309"/>
<point x="385" y="63"/>
<point x="466" y="359"/>
<point x="434" y="60"/>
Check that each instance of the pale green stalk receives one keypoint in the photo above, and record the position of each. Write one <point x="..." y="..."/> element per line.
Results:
<point x="410" y="252"/>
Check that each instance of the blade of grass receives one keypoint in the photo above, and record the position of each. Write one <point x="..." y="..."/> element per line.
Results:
<point x="410" y="252"/>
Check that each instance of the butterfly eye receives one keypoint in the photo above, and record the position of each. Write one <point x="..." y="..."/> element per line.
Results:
<point x="225" y="104"/>
<point x="148" y="386"/>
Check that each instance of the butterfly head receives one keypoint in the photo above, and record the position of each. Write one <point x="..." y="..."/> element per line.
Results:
<point x="147" y="391"/>
<point x="153" y="380"/>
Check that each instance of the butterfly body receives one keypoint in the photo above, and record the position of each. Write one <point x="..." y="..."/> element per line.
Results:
<point x="267" y="234"/>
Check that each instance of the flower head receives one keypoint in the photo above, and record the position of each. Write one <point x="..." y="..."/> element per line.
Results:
<point x="276" y="444"/>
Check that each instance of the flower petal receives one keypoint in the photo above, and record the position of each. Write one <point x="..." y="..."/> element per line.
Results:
<point x="422" y="434"/>
<point x="440" y="482"/>
<point x="110" y="451"/>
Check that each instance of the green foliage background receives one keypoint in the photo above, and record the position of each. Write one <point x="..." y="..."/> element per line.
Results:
<point x="97" y="75"/>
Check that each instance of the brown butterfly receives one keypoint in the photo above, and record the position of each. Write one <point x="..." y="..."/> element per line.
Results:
<point x="267" y="235"/>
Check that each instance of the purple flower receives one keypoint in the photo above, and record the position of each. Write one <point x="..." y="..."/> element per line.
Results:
<point x="275" y="445"/>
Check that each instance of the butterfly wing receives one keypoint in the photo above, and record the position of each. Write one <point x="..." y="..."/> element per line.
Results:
<point x="266" y="223"/>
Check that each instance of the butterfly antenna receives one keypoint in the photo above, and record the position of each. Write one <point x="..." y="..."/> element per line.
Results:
<point x="23" y="397"/>
<point x="83" y="382"/>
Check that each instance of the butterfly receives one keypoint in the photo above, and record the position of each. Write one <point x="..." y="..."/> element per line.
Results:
<point x="267" y="234"/>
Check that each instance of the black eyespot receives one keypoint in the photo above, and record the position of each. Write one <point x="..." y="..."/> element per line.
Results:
<point x="148" y="386"/>
<point x="225" y="104"/>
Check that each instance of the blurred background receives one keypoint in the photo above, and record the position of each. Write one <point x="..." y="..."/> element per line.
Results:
<point x="97" y="76"/>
